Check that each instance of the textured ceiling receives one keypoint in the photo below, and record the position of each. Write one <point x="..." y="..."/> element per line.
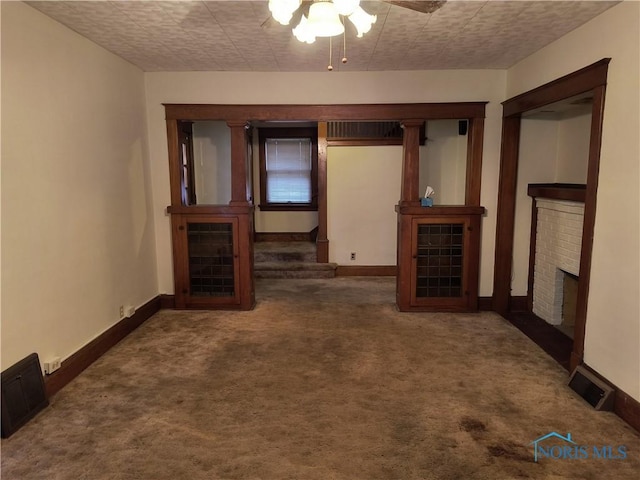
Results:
<point x="230" y="35"/>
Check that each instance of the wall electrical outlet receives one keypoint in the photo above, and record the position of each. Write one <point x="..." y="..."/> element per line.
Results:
<point x="353" y="255"/>
<point x="52" y="365"/>
<point x="121" y="311"/>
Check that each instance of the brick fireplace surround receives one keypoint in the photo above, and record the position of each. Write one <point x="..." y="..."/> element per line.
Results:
<point x="558" y="246"/>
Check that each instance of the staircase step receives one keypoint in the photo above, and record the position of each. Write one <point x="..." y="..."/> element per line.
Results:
<point x="284" y="252"/>
<point x="294" y="270"/>
<point x="289" y="260"/>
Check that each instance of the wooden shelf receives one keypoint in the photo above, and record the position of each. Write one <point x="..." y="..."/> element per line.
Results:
<point x="558" y="191"/>
<point x="440" y="210"/>
<point x="210" y="209"/>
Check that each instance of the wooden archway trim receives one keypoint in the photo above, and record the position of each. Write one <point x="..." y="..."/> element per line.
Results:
<point x="592" y="78"/>
<point x="238" y="115"/>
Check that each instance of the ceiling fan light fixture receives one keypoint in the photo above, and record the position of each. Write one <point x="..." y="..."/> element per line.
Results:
<point x="303" y="32"/>
<point x="282" y="10"/>
<point x="324" y="20"/>
<point x="362" y="21"/>
<point x="346" y="7"/>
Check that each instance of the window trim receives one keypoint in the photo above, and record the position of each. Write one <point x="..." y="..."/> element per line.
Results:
<point x="293" y="132"/>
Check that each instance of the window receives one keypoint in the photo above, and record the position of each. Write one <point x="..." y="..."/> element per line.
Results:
<point x="288" y="169"/>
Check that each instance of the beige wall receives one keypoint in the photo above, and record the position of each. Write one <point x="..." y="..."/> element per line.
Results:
<point x="573" y="148"/>
<point x="77" y="223"/>
<point x="363" y="187"/>
<point x="612" y="344"/>
<point x="538" y="154"/>
<point x="443" y="162"/>
<point x="323" y="88"/>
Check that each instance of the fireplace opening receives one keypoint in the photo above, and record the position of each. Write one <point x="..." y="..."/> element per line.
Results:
<point x="569" y="303"/>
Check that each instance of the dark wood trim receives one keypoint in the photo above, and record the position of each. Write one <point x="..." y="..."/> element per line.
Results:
<point x="580" y="81"/>
<point x="237" y="118"/>
<point x="219" y="210"/>
<point x="313" y="234"/>
<point x="409" y="194"/>
<point x="518" y="303"/>
<point x="167" y="301"/>
<point x="366" y="271"/>
<point x="363" y="142"/>
<point x="79" y="361"/>
<point x="574" y="192"/>
<point x="440" y="210"/>
<point x="627" y="408"/>
<point x="485" y="304"/>
<point x="239" y="173"/>
<point x="533" y="236"/>
<point x="592" y="78"/>
<point x="588" y="225"/>
<point x="326" y="113"/>
<point x="287" y="207"/>
<point x="284" y="236"/>
<point x="245" y="271"/>
<point x="505" y="222"/>
<point x="475" y="141"/>
<point x="624" y="405"/>
<point x="175" y="174"/>
<point x="185" y="137"/>
<point x="322" y="242"/>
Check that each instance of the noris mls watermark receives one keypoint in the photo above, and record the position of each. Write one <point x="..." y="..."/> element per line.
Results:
<point x="559" y="447"/>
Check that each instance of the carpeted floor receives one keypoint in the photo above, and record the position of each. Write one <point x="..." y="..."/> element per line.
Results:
<point x="323" y="380"/>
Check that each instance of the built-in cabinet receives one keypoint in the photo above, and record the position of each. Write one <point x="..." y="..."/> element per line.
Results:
<point x="439" y="246"/>
<point x="439" y="257"/>
<point x="213" y="258"/>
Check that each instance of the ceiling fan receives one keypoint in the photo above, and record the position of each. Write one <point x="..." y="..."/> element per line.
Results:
<point x="328" y="18"/>
<point x="417" y="6"/>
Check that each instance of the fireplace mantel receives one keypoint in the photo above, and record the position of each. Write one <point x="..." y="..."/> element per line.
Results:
<point x="558" y="191"/>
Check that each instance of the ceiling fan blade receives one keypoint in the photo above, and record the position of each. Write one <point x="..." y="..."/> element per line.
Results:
<point x="422" y="7"/>
<point x="303" y="9"/>
<point x="269" y="22"/>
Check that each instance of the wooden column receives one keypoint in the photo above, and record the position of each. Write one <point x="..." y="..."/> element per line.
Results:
<point x="238" y="162"/>
<point x="588" y="226"/>
<point x="404" y="262"/>
<point x="475" y="139"/>
<point x="322" y="242"/>
<point x="246" y="290"/>
<point x="506" y="214"/>
<point x="409" y="194"/>
<point x="240" y="198"/>
<point x="175" y="175"/>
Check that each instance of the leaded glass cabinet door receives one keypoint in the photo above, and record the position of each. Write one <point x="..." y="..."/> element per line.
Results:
<point x="440" y="275"/>
<point x="211" y="259"/>
<point x="209" y="273"/>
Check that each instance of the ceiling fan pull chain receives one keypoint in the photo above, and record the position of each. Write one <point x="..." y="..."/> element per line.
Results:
<point x="330" y="66"/>
<point x="344" y="45"/>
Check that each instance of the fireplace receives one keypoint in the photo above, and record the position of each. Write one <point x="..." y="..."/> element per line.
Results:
<point x="558" y="243"/>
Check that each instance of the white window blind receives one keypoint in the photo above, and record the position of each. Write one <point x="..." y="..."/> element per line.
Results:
<point x="288" y="165"/>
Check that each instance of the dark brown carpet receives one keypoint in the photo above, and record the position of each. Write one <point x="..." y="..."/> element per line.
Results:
<point x="323" y="380"/>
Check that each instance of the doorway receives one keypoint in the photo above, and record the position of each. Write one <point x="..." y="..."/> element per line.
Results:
<point x="590" y="80"/>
